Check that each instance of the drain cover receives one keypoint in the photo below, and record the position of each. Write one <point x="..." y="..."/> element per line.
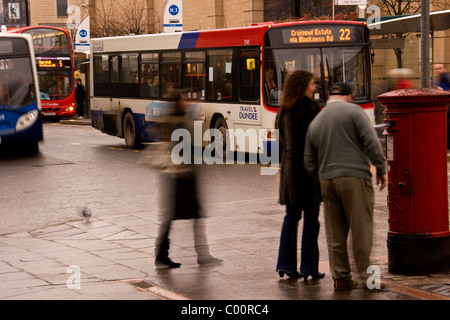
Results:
<point x="155" y="290"/>
<point x="142" y="284"/>
<point x="440" y="288"/>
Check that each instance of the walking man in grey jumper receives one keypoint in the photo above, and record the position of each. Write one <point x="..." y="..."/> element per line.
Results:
<point x="341" y="144"/>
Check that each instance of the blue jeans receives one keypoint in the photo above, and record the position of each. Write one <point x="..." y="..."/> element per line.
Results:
<point x="287" y="253"/>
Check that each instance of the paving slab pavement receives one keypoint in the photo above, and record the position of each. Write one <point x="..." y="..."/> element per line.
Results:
<point x="112" y="258"/>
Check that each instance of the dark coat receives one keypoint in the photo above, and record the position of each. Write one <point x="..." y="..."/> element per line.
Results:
<point x="80" y="93"/>
<point x="297" y="186"/>
<point x="183" y="194"/>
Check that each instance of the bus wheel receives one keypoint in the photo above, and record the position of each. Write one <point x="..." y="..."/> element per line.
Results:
<point x="220" y="142"/>
<point x="129" y="130"/>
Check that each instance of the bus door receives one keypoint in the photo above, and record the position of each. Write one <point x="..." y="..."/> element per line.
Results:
<point x="248" y="115"/>
<point x="249" y="76"/>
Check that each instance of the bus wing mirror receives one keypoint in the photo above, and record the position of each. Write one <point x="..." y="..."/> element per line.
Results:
<point x="251" y="65"/>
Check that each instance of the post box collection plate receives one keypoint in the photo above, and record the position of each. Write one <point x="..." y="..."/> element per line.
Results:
<point x="390" y="147"/>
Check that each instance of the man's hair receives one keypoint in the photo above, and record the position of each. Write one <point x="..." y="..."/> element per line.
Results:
<point x="341" y="89"/>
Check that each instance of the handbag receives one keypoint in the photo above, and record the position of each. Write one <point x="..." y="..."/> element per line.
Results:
<point x="158" y="155"/>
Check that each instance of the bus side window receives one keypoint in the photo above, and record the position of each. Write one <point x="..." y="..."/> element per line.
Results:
<point x="101" y="75"/>
<point x="4" y="89"/>
<point x="129" y="68"/>
<point x="249" y="86"/>
<point x="220" y="77"/>
<point x="194" y="74"/>
<point x="129" y="74"/>
<point x="170" y="73"/>
<point x="149" y="75"/>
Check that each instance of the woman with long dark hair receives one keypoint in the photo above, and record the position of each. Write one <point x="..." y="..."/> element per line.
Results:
<point x="299" y="191"/>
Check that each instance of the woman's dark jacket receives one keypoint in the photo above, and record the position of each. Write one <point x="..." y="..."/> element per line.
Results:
<point x="184" y="200"/>
<point x="297" y="186"/>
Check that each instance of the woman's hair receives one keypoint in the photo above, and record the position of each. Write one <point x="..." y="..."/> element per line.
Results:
<point x="295" y="87"/>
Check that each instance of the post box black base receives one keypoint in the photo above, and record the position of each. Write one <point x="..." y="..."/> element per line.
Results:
<point x="418" y="254"/>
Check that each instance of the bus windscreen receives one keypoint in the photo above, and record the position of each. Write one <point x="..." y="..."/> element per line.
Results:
<point x="49" y="42"/>
<point x="332" y="53"/>
<point x="16" y="76"/>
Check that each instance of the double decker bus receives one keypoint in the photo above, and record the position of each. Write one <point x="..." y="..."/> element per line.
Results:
<point x="226" y="73"/>
<point x="54" y="61"/>
<point x="20" y="116"/>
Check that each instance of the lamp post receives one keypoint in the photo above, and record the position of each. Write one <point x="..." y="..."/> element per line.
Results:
<point x="333" y="7"/>
<point x="425" y="43"/>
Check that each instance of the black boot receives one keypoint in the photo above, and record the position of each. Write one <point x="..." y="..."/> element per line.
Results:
<point x="164" y="261"/>
<point x="162" y="257"/>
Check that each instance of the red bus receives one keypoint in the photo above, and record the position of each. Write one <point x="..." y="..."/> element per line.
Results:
<point x="54" y="62"/>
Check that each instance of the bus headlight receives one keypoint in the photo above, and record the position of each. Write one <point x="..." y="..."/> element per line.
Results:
<point x="27" y="120"/>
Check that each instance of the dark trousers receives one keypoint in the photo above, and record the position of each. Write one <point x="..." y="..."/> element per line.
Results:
<point x="80" y="108"/>
<point x="200" y="242"/>
<point x="287" y="253"/>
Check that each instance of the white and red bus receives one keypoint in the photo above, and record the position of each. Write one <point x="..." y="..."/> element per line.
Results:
<point x="54" y="61"/>
<point x="224" y="72"/>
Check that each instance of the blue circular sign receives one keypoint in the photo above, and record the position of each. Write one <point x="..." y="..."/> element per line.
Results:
<point x="174" y="10"/>
<point x="83" y="33"/>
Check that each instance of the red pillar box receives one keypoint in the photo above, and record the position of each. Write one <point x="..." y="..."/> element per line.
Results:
<point x="416" y="152"/>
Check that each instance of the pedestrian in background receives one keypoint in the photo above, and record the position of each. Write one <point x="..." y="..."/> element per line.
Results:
<point x="401" y="78"/>
<point x="80" y="96"/>
<point x="441" y="76"/>
<point x="340" y="146"/>
<point x="442" y="82"/>
<point x="299" y="191"/>
<point x="180" y="198"/>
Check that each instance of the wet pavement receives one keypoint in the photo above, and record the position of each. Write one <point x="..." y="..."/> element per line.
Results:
<point x="112" y="258"/>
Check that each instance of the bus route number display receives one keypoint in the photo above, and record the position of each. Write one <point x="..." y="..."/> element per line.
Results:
<point x="318" y="34"/>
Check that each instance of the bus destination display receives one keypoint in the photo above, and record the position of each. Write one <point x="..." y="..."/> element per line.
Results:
<point x="319" y="34"/>
<point x="52" y="64"/>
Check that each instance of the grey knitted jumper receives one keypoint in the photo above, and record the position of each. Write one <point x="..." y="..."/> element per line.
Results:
<point x="341" y="142"/>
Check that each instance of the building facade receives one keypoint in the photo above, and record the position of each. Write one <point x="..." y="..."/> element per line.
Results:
<point x="197" y="15"/>
<point x="109" y="17"/>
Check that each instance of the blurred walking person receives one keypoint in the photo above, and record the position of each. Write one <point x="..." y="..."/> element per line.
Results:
<point x="299" y="190"/>
<point x="180" y="198"/>
<point x="340" y="146"/>
<point x="402" y="78"/>
<point x="442" y="82"/>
